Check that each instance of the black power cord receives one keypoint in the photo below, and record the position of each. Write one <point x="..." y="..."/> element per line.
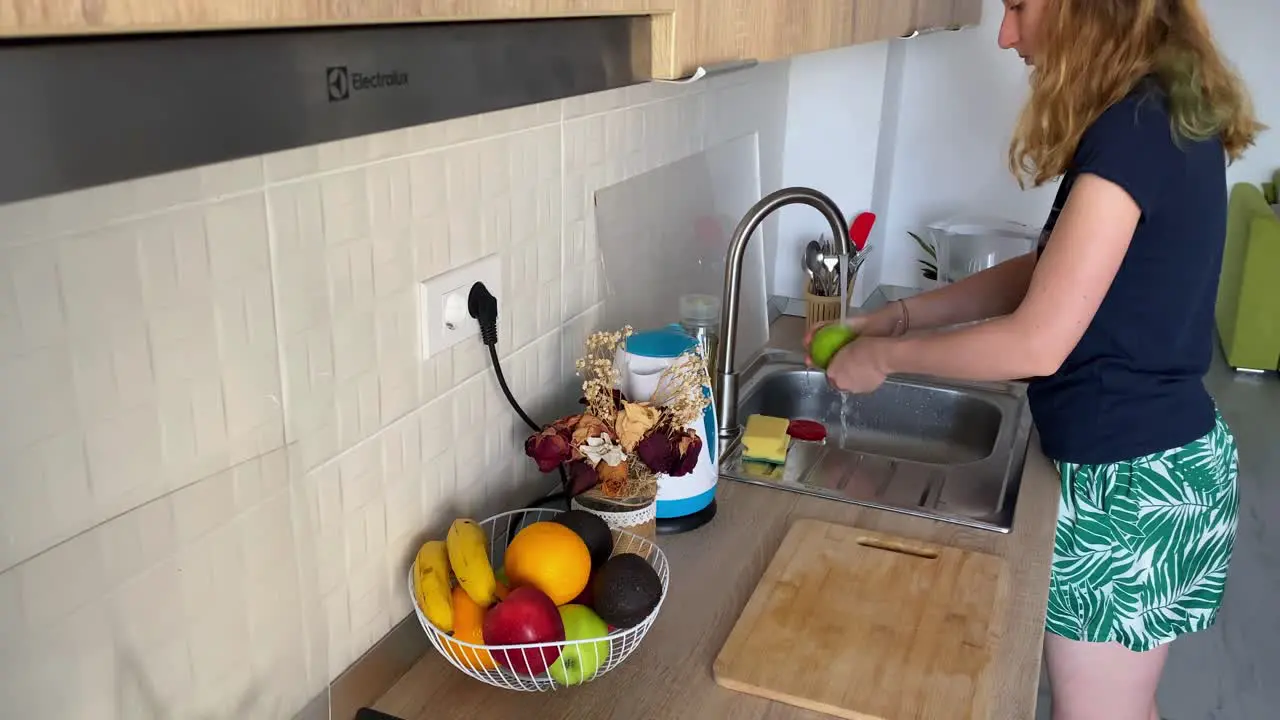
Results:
<point x="483" y="306"/>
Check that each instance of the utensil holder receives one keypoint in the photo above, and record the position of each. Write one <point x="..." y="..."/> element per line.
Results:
<point x="819" y="309"/>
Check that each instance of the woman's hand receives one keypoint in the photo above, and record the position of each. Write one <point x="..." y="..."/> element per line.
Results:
<point x="859" y="325"/>
<point x="886" y="322"/>
<point x="860" y="366"/>
<point x="881" y="323"/>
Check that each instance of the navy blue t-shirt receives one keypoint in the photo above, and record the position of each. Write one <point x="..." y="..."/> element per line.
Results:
<point x="1134" y="385"/>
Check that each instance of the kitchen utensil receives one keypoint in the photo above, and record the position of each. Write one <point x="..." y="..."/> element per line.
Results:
<point x="831" y="263"/>
<point x="869" y="626"/>
<point x="860" y="229"/>
<point x="813" y="261"/>
<point x="464" y="655"/>
<point x="855" y="263"/>
<point x="827" y="284"/>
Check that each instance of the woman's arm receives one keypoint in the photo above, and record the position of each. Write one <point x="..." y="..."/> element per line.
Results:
<point x="1067" y="286"/>
<point x="991" y="293"/>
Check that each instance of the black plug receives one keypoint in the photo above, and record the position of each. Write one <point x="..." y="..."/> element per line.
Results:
<point x="483" y="306"/>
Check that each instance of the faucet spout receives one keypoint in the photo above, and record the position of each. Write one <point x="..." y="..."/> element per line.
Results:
<point x="727" y="382"/>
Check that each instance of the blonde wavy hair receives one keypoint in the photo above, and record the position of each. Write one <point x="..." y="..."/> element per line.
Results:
<point x="1093" y="52"/>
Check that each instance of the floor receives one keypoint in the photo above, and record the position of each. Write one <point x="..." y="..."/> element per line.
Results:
<point x="1220" y="674"/>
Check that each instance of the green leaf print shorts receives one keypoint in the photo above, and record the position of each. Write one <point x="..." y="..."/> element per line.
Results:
<point x="1142" y="546"/>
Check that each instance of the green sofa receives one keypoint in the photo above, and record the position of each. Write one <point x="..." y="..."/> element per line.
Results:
<point x="1248" y="308"/>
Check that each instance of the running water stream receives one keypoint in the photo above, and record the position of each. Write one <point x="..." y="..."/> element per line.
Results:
<point x="842" y="265"/>
<point x="842" y="290"/>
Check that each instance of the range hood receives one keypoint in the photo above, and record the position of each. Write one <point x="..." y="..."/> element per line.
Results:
<point x="84" y="112"/>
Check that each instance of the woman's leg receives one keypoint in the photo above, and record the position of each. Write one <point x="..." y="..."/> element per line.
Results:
<point x="1092" y="681"/>
<point x="1140" y="558"/>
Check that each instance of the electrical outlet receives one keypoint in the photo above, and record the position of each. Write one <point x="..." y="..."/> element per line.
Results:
<point x="445" y="320"/>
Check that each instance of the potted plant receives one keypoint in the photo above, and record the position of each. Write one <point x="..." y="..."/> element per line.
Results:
<point x="928" y="268"/>
<point x="615" y="450"/>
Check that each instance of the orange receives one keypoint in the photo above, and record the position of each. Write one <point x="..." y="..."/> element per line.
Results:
<point x="550" y="557"/>
<point x="468" y="620"/>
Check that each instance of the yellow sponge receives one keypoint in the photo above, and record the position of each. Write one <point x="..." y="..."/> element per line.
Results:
<point x="766" y="439"/>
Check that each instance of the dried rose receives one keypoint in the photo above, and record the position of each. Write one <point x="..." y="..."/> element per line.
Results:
<point x="602" y="450"/>
<point x="566" y="426"/>
<point x="588" y="427"/>
<point x="582" y="477"/>
<point x="612" y="474"/>
<point x="657" y="452"/>
<point x="671" y="452"/>
<point x="688" y="445"/>
<point x="548" y="449"/>
<point x="634" y="422"/>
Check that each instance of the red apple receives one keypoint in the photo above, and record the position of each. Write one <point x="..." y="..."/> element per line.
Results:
<point x="527" y="616"/>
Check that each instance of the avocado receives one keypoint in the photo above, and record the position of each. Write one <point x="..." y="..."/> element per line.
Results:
<point x="593" y="530"/>
<point x="626" y="590"/>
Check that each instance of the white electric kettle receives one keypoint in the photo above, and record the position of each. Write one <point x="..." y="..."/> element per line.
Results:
<point x="683" y="502"/>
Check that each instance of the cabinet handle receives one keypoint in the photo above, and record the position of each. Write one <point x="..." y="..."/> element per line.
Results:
<point x="929" y="31"/>
<point x="706" y="71"/>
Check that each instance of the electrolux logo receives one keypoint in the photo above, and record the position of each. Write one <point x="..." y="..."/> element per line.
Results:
<point x="341" y="82"/>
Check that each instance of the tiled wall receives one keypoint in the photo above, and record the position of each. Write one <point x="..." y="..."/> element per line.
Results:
<point x="218" y="445"/>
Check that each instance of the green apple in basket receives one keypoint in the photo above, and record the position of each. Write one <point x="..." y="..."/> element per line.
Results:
<point x="579" y="662"/>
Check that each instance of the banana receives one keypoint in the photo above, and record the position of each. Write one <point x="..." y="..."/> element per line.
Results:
<point x="469" y="557"/>
<point x="431" y="584"/>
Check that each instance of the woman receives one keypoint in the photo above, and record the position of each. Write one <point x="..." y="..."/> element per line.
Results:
<point x="1133" y="107"/>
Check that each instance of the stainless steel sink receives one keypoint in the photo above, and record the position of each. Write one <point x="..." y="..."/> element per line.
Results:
<point x="942" y="450"/>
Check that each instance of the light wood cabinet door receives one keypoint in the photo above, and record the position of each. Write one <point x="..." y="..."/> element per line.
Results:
<point x="966" y="13"/>
<point x="706" y="32"/>
<point x="946" y="14"/>
<point x="31" y="18"/>
<point x="876" y="20"/>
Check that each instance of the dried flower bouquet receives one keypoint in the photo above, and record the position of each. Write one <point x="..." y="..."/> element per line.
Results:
<point x="617" y="447"/>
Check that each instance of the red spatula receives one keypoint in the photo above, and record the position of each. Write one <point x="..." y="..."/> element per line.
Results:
<point x="860" y="229"/>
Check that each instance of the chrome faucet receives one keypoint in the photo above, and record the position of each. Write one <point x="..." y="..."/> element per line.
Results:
<point x="726" y="389"/>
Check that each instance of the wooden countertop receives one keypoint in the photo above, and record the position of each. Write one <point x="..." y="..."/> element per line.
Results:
<point x="714" y="571"/>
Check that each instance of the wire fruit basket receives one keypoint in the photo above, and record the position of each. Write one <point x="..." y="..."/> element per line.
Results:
<point x="604" y="653"/>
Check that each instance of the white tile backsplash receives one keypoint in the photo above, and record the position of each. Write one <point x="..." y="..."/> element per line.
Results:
<point x="219" y="444"/>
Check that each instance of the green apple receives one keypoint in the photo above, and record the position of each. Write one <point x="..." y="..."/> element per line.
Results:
<point x="827" y="341"/>
<point x="580" y="661"/>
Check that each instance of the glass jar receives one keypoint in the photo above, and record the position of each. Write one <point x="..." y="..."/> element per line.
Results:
<point x="700" y="318"/>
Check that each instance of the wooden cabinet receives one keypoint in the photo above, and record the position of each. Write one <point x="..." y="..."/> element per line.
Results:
<point x="945" y="14"/>
<point x="31" y="18"/>
<point x="685" y="33"/>
<point x="877" y="20"/>
<point x="706" y="32"/>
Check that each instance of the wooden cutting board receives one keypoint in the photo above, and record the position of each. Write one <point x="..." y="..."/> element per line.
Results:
<point x="869" y="626"/>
